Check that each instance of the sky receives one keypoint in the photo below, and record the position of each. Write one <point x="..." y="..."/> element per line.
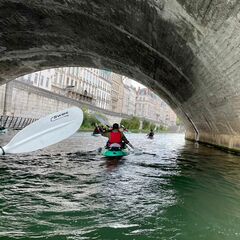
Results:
<point x="131" y="82"/>
<point x="136" y="84"/>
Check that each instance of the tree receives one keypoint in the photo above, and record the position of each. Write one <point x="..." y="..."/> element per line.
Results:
<point x="131" y="124"/>
<point x="145" y="125"/>
<point x="89" y="120"/>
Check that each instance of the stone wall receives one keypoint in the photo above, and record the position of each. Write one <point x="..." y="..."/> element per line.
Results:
<point x="27" y="101"/>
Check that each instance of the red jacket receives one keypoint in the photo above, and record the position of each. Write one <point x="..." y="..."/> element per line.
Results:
<point x="115" y="137"/>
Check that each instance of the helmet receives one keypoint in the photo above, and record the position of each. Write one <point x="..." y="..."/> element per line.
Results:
<point x="115" y="126"/>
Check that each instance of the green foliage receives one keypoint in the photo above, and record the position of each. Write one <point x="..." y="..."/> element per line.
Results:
<point x="131" y="124"/>
<point x="161" y="129"/>
<point x="145" y="125"/>
<point x="88" y="120"/>
<point x="125" y="123"/>
<point x="152" y="126"/>
<point x="179" y="122"/>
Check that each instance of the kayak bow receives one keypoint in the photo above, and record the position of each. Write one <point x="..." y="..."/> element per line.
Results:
<point x="114" y="152"/>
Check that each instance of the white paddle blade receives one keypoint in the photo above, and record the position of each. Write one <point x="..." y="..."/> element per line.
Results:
<point x="46" y="131"/>
<point x="101" y="120"/>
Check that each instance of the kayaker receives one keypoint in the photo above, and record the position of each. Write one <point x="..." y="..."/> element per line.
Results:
<point x="2" y="128"/>
<point x="123" y="129"/>
<point x="97" y="130"/>
<point x="115" y="136"/>
<point x="151" y="134"/>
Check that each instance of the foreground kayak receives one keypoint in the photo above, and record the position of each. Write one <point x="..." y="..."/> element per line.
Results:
<point x="114" y="152"/>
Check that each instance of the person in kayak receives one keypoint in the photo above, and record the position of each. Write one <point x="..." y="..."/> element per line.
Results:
<point x="151" y="134"/>
<point x="123" y="129"/>
<point x="116" y="137"/>
<point x="97" y="130"/>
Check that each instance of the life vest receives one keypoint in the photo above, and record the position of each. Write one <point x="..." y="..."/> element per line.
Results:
<point x="115" y="137"/>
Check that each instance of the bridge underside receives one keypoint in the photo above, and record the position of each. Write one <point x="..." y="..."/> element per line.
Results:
<point x="186" y="51"/>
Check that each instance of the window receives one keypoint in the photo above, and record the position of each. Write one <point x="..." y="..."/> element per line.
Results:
<point x="61" y="79"/>
<point x="36" y="78"/>
<point x="55" y="77"/>
<point x="42" y="78"/>
<point x="47" y="82"/>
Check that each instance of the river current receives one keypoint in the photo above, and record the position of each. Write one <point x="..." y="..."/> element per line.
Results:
<point x="68" y="191"/>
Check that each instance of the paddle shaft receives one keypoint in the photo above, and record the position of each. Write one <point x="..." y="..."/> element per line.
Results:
<point x="2" y="151"/>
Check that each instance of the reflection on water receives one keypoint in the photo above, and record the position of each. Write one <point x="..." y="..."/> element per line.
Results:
<point x="68" y="191"/>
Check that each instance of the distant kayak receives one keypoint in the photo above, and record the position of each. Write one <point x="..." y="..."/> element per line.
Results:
<point x="114" y="152"/>
<point x="96" y="134"/>
<point x="3" y="130"/>
<point x="150" y="137"/>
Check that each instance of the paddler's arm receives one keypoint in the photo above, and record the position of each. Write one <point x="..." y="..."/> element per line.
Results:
<point x="126" y="141"/>
<point x="105" y="134"/>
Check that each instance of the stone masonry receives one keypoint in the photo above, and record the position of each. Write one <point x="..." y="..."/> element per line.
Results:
<point x="185" y="51"/>
<point x="27" y="101"/>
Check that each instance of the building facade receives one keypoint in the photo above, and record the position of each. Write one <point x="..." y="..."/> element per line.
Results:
<point x="152" y="107"/>
<point x="129" y="97"/>
<point x="117" y="93"/>
<point x="74" y="82"/>
<point x="105" y="90"/>
<point x="168" y="117"/>
<point x="42" y="79"/>
<point x="85" y="84"/>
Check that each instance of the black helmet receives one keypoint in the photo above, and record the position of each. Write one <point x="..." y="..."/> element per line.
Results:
<point x="115" y="126"/>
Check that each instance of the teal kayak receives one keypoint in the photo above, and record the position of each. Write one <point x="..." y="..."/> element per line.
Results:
<point x="114" y="152"/>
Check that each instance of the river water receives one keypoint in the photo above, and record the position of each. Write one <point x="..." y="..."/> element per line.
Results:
<point x="68" y="191"/>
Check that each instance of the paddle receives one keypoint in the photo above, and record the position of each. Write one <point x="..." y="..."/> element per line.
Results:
<point x="101" y="120"/>
<point x="45" y="131"/>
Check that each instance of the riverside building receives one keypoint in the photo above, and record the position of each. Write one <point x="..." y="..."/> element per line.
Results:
<point x="83" y="84"/>
<point x="105" y="90"/>
<point x="152" y="107"/>
<point x="117" y="93"/>
<point x="129" y="97"/>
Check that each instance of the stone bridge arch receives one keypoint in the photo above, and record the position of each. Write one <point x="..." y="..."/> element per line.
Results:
<point x="185" y="51"/>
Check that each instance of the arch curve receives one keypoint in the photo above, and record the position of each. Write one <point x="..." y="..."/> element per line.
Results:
<point x="176" y="48"/>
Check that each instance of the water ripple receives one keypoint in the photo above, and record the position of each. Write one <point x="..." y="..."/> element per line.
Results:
<point x="68" y="191"/>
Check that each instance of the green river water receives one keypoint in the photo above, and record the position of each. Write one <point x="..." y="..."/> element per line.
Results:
<point x="186" y="192"/>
